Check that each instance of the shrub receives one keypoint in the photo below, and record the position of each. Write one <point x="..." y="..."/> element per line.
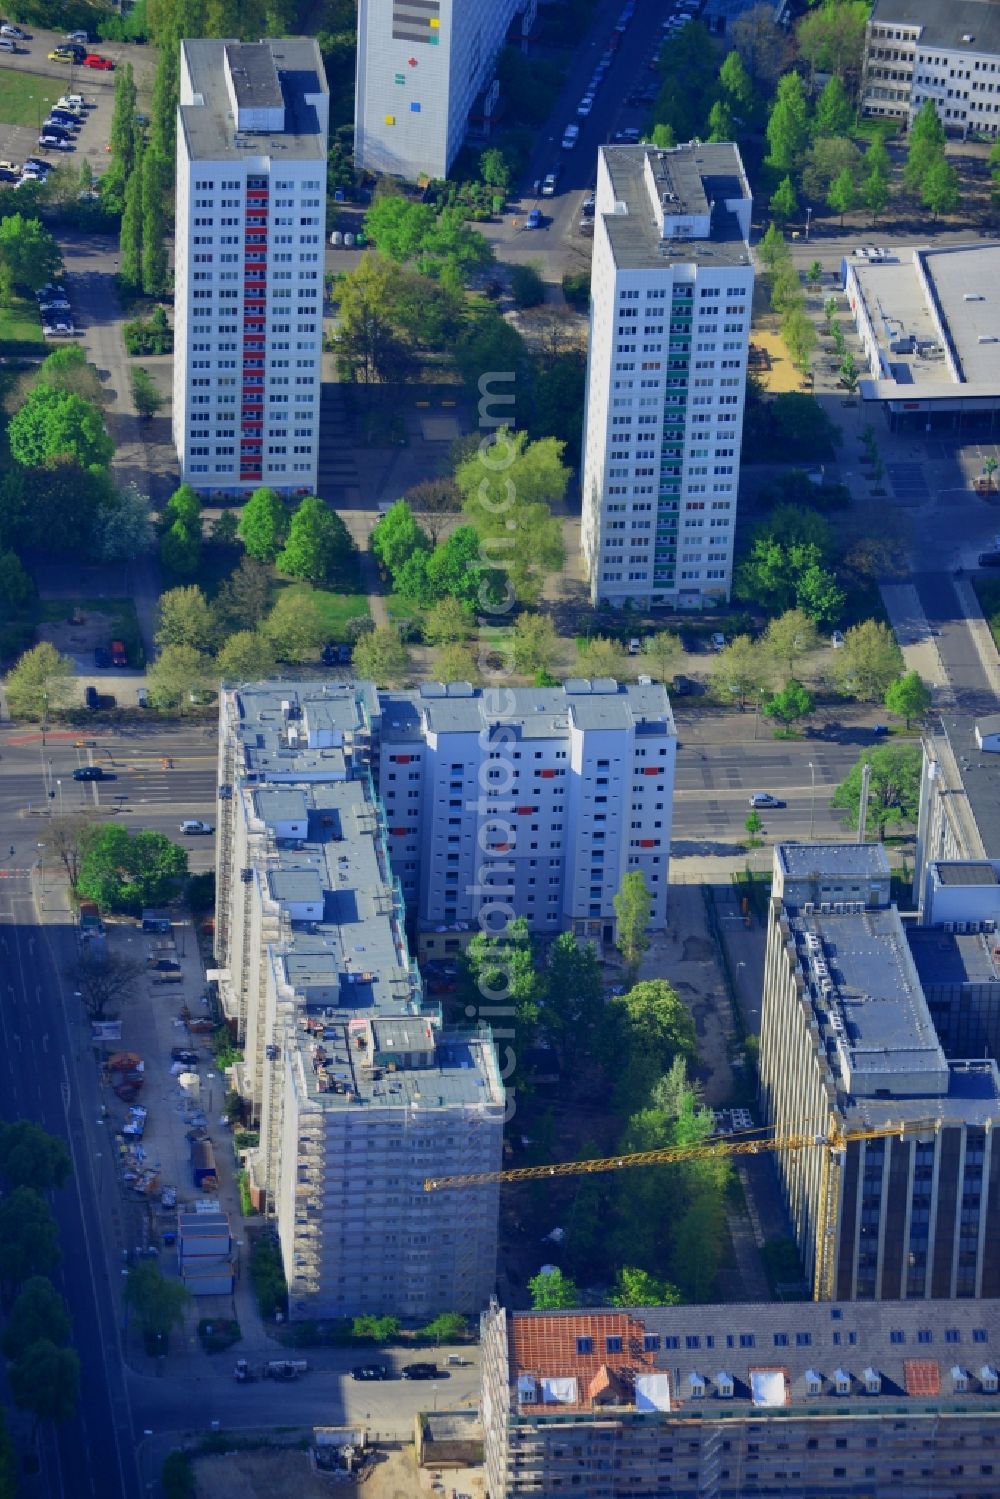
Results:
<point x="527" y="286"/>
<point x="576" y="289"/>
<point x="216" y="1334"/>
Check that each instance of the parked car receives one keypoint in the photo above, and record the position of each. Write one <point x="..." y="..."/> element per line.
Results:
<point x="534" y="219"/>
<point x="76" y="101"/>
<point x="78" y="38"/>
<point x="588" y="207"/>
<point x="420" y="1371"/>
<point x="989" y="559"/>
<point x="119" y="655"/>
<point x="50" y="142"/>
<point x="684" y="686"/>
<point x="718" y="641"/>
<point x="66" y="57"/>
<point x="549" y="182"/>
<point x="101" y="657"/>
<point x="92" y="697"/>
<point x="59" y="329"/>
<point x="89" y="773"/>
<point x="570" y="137"/>
<point x="585" y="105"/>
<point x="7" y="44"/>
<point x="370" y="1371"/>
<point x="195" y="825"/>
<point x="765" y="799"/>
<point x="15" y="33"/>
<point x="95" y="60"/>
<point x="837" y="639"/>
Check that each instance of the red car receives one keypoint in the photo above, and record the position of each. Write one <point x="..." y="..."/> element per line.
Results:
<point x="95" y="60"/>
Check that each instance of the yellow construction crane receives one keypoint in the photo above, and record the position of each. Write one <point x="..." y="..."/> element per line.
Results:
<point x="833" y="1143"/>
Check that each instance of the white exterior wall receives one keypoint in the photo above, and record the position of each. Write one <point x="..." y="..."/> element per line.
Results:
<point x="224" y="353"/>
<point x="411" y="116"/>
<point x="659" y="516"/>
<point x="902" y="73"/>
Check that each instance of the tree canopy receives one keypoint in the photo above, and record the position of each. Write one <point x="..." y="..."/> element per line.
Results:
<point x="893" y="788"/>
<point x="40" y="680"/>
<point x="31" y="1157"/>
<point x="509" y="489"/>
<point x="125" y="871"/>
<point x="264" y="524"/>
<point x="318" y="543"/>
<point x="55" y="426"/>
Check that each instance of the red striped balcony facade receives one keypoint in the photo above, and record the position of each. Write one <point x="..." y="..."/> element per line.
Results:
<point x="254" y="330"/>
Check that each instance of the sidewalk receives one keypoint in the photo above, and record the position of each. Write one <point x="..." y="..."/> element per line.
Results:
<point x="916" y="640"/>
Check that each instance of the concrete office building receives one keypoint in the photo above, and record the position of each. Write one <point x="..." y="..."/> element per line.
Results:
<point x="360" y="1091"/>
<point x="947" y="51"/>
<point x="929" y="324"/>
<point x="533" y="799"/>
<point x="671" y="292"/>
<point x="248" y="306"/>
<point x="425" y="67"/>
<point x="831" y="1401"/>
<point x="847" y="1033"/>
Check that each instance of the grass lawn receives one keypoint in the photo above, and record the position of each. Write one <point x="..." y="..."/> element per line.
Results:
<point x="20" y="324"/>
<point x="27" y="95"/>
<point x="337" y="608"/>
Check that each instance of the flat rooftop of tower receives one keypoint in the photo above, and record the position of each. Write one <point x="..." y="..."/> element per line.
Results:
<point x="529" y="712"/>
<point x="830" y="860"/>
<point x="698" y="179"/>
<point x="977" y="772"/>
<point x="268" y="75"/>
<point x="350" y="1064"/>
<point x="946" y="958"/>
<point x="874" y="1027"/>
<point x="292" y="732"/>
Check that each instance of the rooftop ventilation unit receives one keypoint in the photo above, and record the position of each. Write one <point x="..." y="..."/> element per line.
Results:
<point x="988" y="338"/>
<point x="973" y="296"/>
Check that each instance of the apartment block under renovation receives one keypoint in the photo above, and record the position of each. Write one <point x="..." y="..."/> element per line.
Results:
<point x="360" y="1091"/>
<point x="798" y="1400"/>
<point x="871" y="1022"/>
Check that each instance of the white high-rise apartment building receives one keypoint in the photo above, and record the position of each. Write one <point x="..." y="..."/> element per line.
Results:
<point x="251" y="192"/>
<point x="422" y="66"/>
<point x="671" y="293"/>
<point x="539" y="799"/>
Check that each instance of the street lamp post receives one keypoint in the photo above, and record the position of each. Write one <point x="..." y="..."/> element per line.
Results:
<point x="59" y="784"/>
<point x="756" y="711"/>
<point x="812" y="800"/>
<point x="809" y="213"/>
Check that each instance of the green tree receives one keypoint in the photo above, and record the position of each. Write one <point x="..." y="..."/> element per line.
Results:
<point x="17" y="587"/>
<point x="371" y="348"/>
<point x="39" y="1312"/>
<point x="791" y="703"/>
<point x="647" y="1028"/>
<point x="574" y="989"/>
<point x="296" y="625"/>
<point x="535" y="643"/>
<point x="158" y="1303"/>
<point x="456" y="569"/>
<point x="177" y="672"/>
<point x="156" y="183"/>
<point x="939" y="189"/>
<point x="800" y="336"/>
<point x="264" y="524"/>
<point x="243" y="599"/>
<point x="663" y="652"/>
<point x="121" y="528"/>
<point x="753" y="825"/>
<point x="504" y="968"/>
<point x="633" y="907"/>
<point x="601" y="656"/>
<point x="826" y="159"/>
<point x="720" y="122"/>
<point x="527" y="285"/>
<point x="29" y="1238"/>
<point x="126" y="871"/>
<point x="784" y="203"/>
<point x="375" y="1329"/>
<point x="735" y="80"/>
<point x="185" y="618"/>
<point x="634" y="1287"/>
<point x="145" y="396"/>
<point x="318" y="543"/>
<point x="130" y="232"/>
<point x="842" y="194"/>
<point x="184" y="506"/>
<point x="397" y="536"/>
<point x="908" y="697"/>
<point x="381" y="657"/>
<point x="509" y="489"/>
<point x="494" y="171"/>
<point x="45" y="1380"/>
<point x="455" y="662"/>
<point x="834" y="113"/>
<point x="57" y="427"/>
<point x="925" y="146"/>
<point x="245" y="656"/>
<point x="447" y="1327"/>
<point x="180" y="550"/>
<point x="124" y="126"/>
<point x="773" y="248"/>
<point x="819" y="595"/>
<point x="447" y="623"/>
<point x="40" y="680"/>
<point x="63" y="840"/>
<point x="552" y="1291"/>
<point x="790" y="637"/>
<point x="30" y="1156"/>
<point x="788" y="124"/>
<point x="28" y="251"/>
<point x="831" y="38"/>
<point x="869" y="661"/>
<point x="875" y="192"/>
<point x="893" y="788"/>
<point x="740" y="672"/>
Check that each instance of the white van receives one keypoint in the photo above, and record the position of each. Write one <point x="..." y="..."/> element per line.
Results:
<point x="6" y="45"/>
